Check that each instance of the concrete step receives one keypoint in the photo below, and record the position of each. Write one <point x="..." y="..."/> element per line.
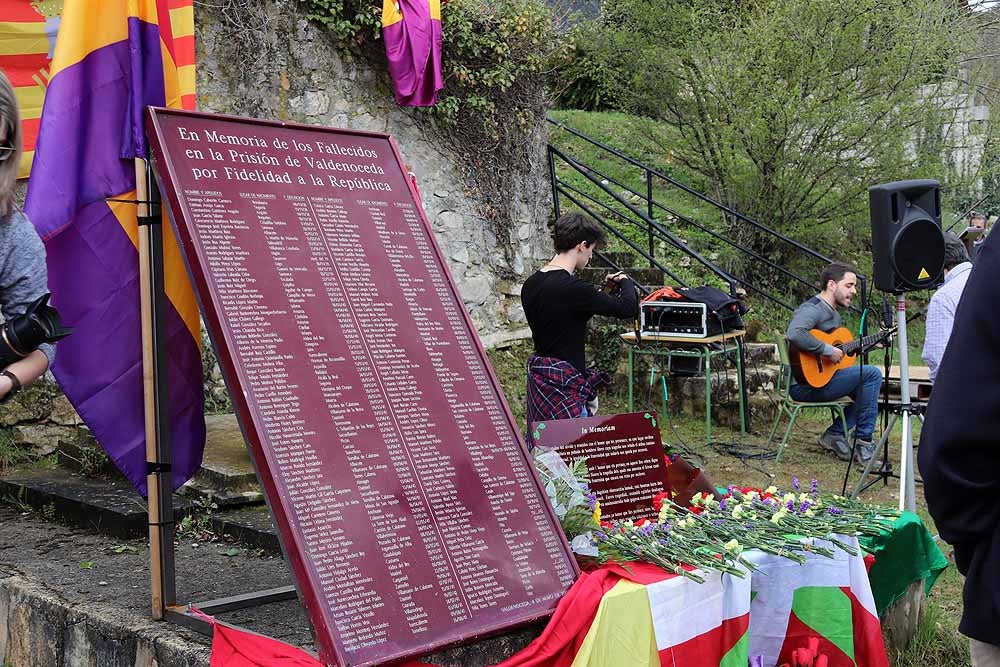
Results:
<point x="619" y="258"/>
<point x="250" y="525"/>
<point x="227" y="477"/>
<point x="109" y="506"/>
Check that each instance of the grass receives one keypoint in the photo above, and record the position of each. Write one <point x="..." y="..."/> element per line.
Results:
<point x="937" y="642"/>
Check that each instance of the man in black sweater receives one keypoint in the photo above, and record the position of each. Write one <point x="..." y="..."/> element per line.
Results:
<point x="959" y="453"/>
<point x="558" y="306"/>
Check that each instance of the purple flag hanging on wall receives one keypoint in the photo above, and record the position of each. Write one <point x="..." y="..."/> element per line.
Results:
<point x="412" y="33"/>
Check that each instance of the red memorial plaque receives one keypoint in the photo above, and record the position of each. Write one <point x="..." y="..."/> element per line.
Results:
<point x="406" y="502"/>
<point x="624" y="458"/>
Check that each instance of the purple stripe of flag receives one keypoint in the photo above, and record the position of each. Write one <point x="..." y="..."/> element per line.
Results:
<point x="413" y="50"/>
<point x="91" y="129"/>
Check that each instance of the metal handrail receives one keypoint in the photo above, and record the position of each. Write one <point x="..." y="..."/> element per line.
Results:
<point x="563" y="186"/>
<point x="691" y="191"/>
<point x="652" y="224"/>
<point x="707" y="230"/>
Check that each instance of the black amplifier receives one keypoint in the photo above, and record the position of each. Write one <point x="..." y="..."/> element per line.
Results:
<point x="674" y="318"/>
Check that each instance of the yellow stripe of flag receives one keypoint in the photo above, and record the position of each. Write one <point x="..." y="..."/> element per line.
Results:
<point x="391" y="14"/>
<point x="182" y="21"/>
<point x="29" y="100"/>
<point x="19" y="38"/>
<point x="622" y="632"/>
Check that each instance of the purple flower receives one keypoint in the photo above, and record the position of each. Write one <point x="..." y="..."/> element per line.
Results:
<point x="647" y="529"/>
<point x="795" y="483"/>
<point x="599" y="535"/>
<point x="769" y="501"/>
<point x="791" y="505"/>
<point x="814" y="488"/>
<point x="834" y="510"/>
<point x="591" y="500"/>
<point x="722" y="504"/>
<point x="717" y="522"/>
<point x="804" y="506"/>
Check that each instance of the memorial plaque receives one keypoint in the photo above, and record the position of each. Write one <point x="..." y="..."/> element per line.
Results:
<point x="624" y="456"/>
<point x="406" y="501"/>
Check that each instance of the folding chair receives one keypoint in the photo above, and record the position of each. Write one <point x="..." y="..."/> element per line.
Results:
<point x="789" y="406"/>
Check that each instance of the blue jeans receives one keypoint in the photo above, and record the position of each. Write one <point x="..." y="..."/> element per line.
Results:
<point x="847" y="382"/>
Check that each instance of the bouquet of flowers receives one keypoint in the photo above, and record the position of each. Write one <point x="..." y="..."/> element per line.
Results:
<point x="577" y="508"/>
<point x="712" y="533"/>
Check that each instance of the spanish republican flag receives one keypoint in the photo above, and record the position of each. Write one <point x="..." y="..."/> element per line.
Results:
<point x="412" y="33"/>
<point x="27" y="39"/>
<point x="112" y="59"/>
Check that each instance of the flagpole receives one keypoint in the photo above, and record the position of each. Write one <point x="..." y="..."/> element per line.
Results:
<point x="154" y="376"/>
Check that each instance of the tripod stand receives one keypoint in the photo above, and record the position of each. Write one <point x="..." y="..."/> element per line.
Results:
<point x="905" y="409"/>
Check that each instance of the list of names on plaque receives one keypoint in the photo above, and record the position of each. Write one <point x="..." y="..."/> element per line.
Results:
<point x="401" y="480"/>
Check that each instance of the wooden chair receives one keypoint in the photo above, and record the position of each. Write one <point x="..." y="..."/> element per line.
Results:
<point x="789" y="406"/>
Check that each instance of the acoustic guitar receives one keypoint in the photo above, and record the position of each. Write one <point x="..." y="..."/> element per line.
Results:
<point x="816" y="370"/>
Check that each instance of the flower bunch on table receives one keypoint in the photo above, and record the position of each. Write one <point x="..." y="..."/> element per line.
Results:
<point x="712" y="533"/>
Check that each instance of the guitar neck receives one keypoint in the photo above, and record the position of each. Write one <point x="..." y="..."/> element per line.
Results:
<point x="852" y="347"/>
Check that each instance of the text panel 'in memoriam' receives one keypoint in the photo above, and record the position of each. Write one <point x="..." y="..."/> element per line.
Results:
<point x="406" y="502"/>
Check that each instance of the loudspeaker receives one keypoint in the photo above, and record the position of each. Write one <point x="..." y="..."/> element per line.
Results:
<point x="907" y="242"/>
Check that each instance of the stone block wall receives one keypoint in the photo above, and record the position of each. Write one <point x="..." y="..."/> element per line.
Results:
<point x="266" y="60"/>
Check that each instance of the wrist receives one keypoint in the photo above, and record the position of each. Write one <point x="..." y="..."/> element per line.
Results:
<point x="12" y="381"/>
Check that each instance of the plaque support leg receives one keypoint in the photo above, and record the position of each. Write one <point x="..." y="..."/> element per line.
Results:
<point x="154" y="375"/>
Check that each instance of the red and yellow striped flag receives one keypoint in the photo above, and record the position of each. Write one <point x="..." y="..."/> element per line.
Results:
<point x="28" y="30"/>
<point x="27" y="39"/>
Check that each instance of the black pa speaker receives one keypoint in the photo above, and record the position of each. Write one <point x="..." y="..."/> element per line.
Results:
<point x="907" y="242"/>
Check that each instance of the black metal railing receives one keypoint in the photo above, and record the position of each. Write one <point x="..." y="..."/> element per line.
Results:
<point x="643" y="221"/>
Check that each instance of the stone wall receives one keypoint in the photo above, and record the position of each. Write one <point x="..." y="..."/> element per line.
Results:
<point x="266" y="60"/>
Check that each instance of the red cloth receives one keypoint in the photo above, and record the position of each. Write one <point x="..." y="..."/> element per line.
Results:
<point x="555" y="647"/>
<point x="561" y="640"/>
<point x="239" y="648"/>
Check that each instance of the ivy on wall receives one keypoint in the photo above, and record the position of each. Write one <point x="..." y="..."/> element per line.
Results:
<point x="496" y="58"/>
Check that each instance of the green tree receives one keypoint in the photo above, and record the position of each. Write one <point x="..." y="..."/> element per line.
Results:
<point x="791" y="109"/>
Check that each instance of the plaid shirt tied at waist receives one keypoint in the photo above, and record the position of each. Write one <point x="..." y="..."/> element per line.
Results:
<point x="557" y="390"/>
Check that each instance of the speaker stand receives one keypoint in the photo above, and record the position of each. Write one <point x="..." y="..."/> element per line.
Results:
<point x="905" y="411"/>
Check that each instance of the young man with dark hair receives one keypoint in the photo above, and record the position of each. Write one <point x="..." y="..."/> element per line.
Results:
<point x="839" y="285"/>
<point x="944" y="304"/>
<point x="558" y="305"/>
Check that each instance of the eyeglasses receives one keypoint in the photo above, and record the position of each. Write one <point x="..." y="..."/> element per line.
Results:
<point x="6" y="151"/>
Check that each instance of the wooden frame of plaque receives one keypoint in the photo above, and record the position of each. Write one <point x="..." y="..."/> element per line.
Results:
<point x="342" y="336"/>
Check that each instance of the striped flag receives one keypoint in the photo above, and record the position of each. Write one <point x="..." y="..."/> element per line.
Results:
<point x="27" y="40"/>
<point x="412" y="33"/>
<point x="827" y="598"/>
<point x="113" y="58"/>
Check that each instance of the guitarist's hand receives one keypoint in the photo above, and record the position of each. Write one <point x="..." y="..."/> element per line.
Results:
<point x="836" y="356"/>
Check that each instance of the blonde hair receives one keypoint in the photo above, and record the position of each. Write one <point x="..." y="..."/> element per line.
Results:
<point x="11" y="119"/>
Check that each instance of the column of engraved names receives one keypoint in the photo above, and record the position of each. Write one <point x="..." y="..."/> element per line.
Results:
<point x="463" y="533"/>
<point x="502" y="482"/>
<point x="322" y="506"/>
<point x="340" y="240"/>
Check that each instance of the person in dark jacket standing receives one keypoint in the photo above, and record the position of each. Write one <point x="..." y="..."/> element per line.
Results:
<point x="959" y="454"/>
<point x="558" y="305"/>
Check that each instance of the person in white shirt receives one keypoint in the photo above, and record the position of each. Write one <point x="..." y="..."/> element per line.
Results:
<point x="944" y="303"/>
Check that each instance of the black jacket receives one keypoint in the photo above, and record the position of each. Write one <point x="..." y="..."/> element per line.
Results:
<point x="959" y="453"/>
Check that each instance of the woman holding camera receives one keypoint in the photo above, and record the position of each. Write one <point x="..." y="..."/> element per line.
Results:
<point x="23" y="277"/>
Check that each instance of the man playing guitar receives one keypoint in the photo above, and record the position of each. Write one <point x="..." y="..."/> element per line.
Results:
<point x="839" y="283"/>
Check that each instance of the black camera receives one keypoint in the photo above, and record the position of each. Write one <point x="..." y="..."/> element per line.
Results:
<point x="21" y="335"/>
